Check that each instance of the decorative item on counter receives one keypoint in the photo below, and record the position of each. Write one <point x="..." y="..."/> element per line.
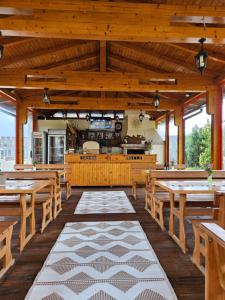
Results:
<point x="34" y="163"/>
<point x="148" y="147"/>
<point x="2" y="178"/>
<point x="166" y="166"/>
<point x="208" y="169"/>
<point x="141" y="116"/>
<point x="172" y="163"/>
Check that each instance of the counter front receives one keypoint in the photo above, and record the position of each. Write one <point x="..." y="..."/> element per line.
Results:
<point x="106" y="169"/>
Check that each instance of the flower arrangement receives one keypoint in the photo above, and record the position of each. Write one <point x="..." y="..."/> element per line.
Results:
<point x="208" y="169"/>
<point x="34" y="163"/>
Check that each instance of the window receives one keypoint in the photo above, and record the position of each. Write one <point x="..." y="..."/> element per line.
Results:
<point x="173" y="141"/>
<point x="198" y="139"/>
<point x="7" y="140"/>
<point x="27" y="139"/>
<point x="161" y="129"/>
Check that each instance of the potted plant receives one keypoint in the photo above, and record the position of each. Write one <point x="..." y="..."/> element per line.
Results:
<point x="34" y="163"/>
<point x="148" y="147"/>
<point x="172" y="164"/>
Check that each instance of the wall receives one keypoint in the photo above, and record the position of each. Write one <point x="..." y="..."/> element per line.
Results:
<point x="135" y="127"/>
<point x="44" y="125"/>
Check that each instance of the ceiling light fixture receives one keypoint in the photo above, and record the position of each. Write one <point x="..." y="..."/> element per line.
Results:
<point x="117" y="118"/>
<point x="141" y="116"/>
<point x="46" y="99"/>
<point x="88" y="117"/>
<point x="156" y="99"/>
<point x="1" y="51"/>
<point x="201" y="57"/>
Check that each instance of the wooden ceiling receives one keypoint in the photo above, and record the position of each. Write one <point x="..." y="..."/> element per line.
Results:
<point x="24" y="49"/>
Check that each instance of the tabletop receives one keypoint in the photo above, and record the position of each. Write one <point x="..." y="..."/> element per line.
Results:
<point x="192" y="186"/>
<point x="22" y="186"/>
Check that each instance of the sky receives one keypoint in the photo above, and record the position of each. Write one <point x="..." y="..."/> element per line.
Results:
<point x="7" y="125"/>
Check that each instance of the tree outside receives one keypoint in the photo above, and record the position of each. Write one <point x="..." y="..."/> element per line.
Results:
<point x="198" y="146"/>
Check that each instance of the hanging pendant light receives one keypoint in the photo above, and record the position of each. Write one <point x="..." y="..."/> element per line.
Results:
<point x="201" y="57"/>
<point x="156" y="99"/>
<point x="88" y="117"/>
<point x="141" y="117"/>
<point x="1" y="51"/>
<point x="46" y="99"/>
<point x="117" y="118"/>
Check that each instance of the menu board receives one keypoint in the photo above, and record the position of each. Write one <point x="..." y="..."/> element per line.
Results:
<point x="101" y="124"/>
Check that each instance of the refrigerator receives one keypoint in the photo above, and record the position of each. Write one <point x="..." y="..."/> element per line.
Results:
<point x="56" y="146"/>
<point x="39" y="147"/>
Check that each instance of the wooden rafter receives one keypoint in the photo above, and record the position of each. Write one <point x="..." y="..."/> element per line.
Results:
<point x="101" y="20"/>
<point x="103" y="60"/>
<point x="102" y="81"/>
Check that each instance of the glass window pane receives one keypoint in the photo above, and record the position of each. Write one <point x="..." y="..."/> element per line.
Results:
<point x="27" y="139"/>
<point x="173" y="141"/>
<point x="198" y="140"/>
<point x="7" y="141"/>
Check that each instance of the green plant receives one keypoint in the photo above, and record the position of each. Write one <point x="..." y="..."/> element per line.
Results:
<point x="34" y="163"/>
<point x="208" y="169"/>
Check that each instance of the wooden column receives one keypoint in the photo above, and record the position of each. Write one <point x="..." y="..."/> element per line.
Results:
<point x="214" y="107"/>
<point x="178" y="121"/>
<point x="167" y="152"/>
<point x="21" y="119"/>
<point x="35" y="125"/>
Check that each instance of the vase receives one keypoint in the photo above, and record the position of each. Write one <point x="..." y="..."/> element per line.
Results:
<point x="34" y="168"/>
<point x="2" y="179"/>
<point x="210" y="180"/>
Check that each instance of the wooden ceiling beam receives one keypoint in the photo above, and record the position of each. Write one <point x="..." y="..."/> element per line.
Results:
<point x="102" y="81"/>
<point x="43" y="52"/>
<point x="98" y="20"/>
<point x="14" y="41"/>
<point x="117" y="7"/>
<point x="91" y="103"/>
<point x="103" y="60"/>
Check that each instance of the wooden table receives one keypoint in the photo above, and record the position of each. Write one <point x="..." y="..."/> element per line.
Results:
<point x="21" y="207"/>
<point x="184" y="188"/>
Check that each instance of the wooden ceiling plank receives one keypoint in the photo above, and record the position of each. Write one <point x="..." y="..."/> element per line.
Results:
<point x="144" y="51"/>
<point x="212" y="55"/>
<point x="103" y="60"/>
<point x="43" y="52"/>
<point x="69" y="61"/>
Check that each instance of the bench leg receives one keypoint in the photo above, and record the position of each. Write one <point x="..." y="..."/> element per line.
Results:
<point x="46" y="214"/>
<point x="68" y="191"/>
<point x="199" y="248"/>
<point x="134" y="190"/>
<point x="57" y="207"/>
<point x="5" y="251"/>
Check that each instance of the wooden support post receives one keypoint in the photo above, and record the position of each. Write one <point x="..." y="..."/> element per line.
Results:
<point x="21" y="119"/>
<point x="214" y="107"/>
<point x="167" y="152"/>
<point x="178" y="121"/>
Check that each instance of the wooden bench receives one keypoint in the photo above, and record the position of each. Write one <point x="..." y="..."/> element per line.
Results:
<point x="49" y="198"/>
<point x="218" y="217"/>
<point x="215" y="261"/>
<point x="65" y="182"/>
<point x="6" y="230"/>
<point x="138" y="175"/>
<point x="156" y="199"/>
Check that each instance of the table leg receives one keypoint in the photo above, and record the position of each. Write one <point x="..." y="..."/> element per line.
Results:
<point x="171" y="220"/>
<point x="181" y="217"/>
<point x="221" y="220"/>
<point x="32" y="222"/>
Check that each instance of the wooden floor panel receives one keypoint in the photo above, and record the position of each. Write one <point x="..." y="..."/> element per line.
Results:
<point x="186" y="280"/>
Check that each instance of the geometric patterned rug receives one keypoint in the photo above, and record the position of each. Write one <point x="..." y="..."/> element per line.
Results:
<point x="102" y="261"/>
<point x="104" y="203"/>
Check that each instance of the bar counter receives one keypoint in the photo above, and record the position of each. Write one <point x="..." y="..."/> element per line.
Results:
<point x="105" y="169"/>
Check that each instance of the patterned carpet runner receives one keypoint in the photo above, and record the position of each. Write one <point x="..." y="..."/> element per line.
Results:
<point x="104" y="203"/>
<point x="102" y="261"/>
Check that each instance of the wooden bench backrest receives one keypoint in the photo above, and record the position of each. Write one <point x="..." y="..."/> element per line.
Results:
<point x="65" y="167"/>
<point x="137" y="171"/>
<point x="154" y="175"/>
